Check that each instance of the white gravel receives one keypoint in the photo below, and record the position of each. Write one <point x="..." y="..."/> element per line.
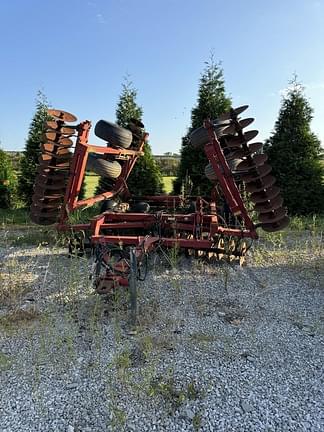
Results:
<point x="218" y="347"/>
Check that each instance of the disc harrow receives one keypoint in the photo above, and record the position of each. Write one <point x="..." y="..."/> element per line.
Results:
<point x="212" y="227"/>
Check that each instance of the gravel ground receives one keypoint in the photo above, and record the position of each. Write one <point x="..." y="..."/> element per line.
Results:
<point x="218" y="347"/>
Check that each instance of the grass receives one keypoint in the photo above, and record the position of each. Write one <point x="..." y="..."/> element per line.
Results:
<point x="168" y="183"/>
<point x="91" y="182"/>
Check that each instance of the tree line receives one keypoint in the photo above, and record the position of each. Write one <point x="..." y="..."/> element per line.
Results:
<point x="294" y="150"/>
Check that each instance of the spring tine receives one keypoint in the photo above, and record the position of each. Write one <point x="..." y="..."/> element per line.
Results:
<point x="62" y="115"/>
<point x="276" y="226"/>
<point x="270" y="205"/>
<point x="260" y="185"/>
<point x="237" y="111"/>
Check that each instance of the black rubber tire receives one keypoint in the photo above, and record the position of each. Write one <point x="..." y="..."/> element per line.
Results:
<point x="103" y="167"/>
<point x="114" y="134"/>
<point x="109" y="204"/>
<point x="199" y="137"/>
<point x="140" y="207"/>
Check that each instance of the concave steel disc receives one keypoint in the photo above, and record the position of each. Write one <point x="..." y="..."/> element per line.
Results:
<point x="39" y="199"/>
<point x="268" y="206"/>
<point x="62" y="157"/>
<point x="52" y="145"/>
<point x="240" y="153"/>
<point x="276" y="226"/>
<point x="54" y="186"/>
<point x="231" y="130"/>
<point x="62" y="131"/>
<point x="237" y="111"/>
<point x="237" y="140"/>
<point x="62" y="115"/>
<point x="39" y="210"/>
<point x="273" y="216"/>
<point x="269" y="194"/>
<point x="260" y="172"/>
<point x="55" y="166"/>
<point x="260" y="185"/>
<point x="39" y="194"/>
<point x="52" y="176"/>
<point x="46" y="205"/>
<point x="43" y="221"/>
<point x="256" y="161"/>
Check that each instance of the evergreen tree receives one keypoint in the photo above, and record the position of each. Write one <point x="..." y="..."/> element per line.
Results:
<point x="29" y="161"/>
<point x="145" y="178"/>
<point x="294" y="153"/>
<point x="212" y="101"/>
<point x="7" y="181"/>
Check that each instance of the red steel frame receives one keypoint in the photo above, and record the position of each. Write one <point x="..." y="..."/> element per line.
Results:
<point x="200" y="227"/>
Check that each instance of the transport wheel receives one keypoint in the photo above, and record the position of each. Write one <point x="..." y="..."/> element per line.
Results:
<point x="114" y="134"/>
<point x="103" y="167"/>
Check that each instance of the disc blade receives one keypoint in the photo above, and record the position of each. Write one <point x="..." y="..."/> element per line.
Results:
<point x="59" y="144"/>
<point x="41" y="194"/>
<point x="260" y="172"/>
<point x="55" y="149"/>
<point x="68" y="131"/>
<point x="237" y="141"/>
<point x="42" y="221"/>
<point x="52" y="165"/>
<point x="267" y="206"/>
<point x="62" y="115"/>
<point x="47" y="204"/>
<point x="276" y="226"/>
<point x="236" y="111"/>
<point x="255" y="147"/>
<point x="260" y="185"/>
<point x="59" y="186"/>
<point x="273" y="216"/>
<point x="232" y="129"/>
<point x="240" y="153"/>
<point x="269" y="194"/>
<point x="256" y="161"/>
<point x="40" y="210"/>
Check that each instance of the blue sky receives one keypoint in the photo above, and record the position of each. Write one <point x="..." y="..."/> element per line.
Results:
<point x="78" y="51"/>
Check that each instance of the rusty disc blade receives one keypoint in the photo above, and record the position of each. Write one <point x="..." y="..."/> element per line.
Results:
<point x="232" y="129"/>
<point x="48" y="145"/>
<point x="268" y="206"/>
<point x="43" y="195"/>
<point x="260" y="185"/>
<point x="53" y="177"/>
<point x="258" y="173"/>
<point x="241" y="152"/>
<point x="52" y="165"/>
<point x="53" y="124"/>
<point x="54" y="148"/>
<point x="38" y="210"/>
<point x="267" y="195"/>
<point x="62" y="115"/>
<point x="273" y="216"/>
<point x="237" y="140"/>
<point x="256" y="161"/>
<point x="47" y="204"/>
<point x="42" y="221"/>
<point x="237" y="111"/>
<point x="38" y="199"/>
<point x="59" y="185"/>
<point x="276" y="226"/>
<point x="66" y="130"/>
<point x="62" y="157"/>
<point x="255" y="147"/>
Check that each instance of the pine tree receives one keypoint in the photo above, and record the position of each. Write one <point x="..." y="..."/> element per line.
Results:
<point x="145" y="178"/>
<point x="7" y="181"/>
<point x="29" y="161"/>
<point x="295" y="152"/>
<point x="212" y="101"/>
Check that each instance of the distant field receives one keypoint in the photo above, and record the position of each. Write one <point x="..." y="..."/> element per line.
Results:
<point x="168" y="183"/>
<point x="92" y="181"/>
